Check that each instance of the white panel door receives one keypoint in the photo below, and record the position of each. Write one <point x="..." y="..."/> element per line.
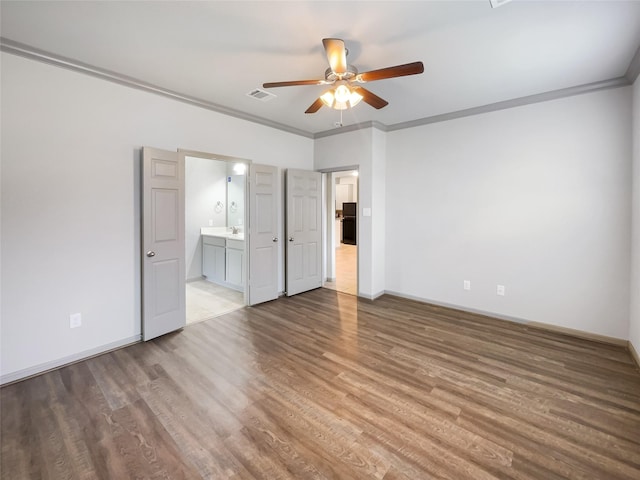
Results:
<point x="163" y="252"/>
<point x="263" y="234"/>
<point x="304" y="231"/>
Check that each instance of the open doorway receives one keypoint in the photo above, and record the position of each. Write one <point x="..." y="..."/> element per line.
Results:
<point x="342" y="228"/>
<point x="215" y="253"/>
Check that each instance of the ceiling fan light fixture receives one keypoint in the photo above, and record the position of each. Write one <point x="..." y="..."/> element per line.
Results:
<point x="342" y="93"/>
<point x="328" y="98"/>
<point x="354" y="98"/>
<point x="341" y="97"/>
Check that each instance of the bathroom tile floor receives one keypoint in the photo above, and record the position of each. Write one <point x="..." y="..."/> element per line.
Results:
<point x="207" y="300"/>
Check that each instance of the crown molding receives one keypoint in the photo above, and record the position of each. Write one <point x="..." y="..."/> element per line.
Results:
<point x="492" y="107"/>
<point x="351" y="128"/>
<point x="344" y="168"/>
<point x="514" y="102"/>
<point x="20" y="49"/>
<point x="634" y="68"/>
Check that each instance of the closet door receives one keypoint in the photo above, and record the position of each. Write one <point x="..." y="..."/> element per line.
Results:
<point x="263" y="234"/>
<point x="304" y="231"/>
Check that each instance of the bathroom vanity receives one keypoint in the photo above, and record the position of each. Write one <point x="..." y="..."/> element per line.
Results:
<point x="223" y="257"/>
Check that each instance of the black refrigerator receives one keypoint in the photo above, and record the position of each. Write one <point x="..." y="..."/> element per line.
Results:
<point x="349" y="222"/>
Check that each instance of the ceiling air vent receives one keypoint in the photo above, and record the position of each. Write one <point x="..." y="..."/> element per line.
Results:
<point x="261" y="95"/>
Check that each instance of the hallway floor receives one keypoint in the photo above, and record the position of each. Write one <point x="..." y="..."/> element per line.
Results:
<point x="346" y="270"/>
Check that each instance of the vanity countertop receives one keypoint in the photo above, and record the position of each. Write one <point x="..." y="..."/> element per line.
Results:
<point x="221" y="233"/>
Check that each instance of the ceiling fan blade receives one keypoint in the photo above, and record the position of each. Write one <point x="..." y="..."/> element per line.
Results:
<point x="315" y="106"/>
<point x="294" y="83"/>
<point x="391" y="72"/>
<point x="336" y="54"/>
<point x="371" y="98"/>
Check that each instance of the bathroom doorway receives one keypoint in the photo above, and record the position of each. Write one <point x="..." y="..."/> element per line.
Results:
<point x="342" y="231"/>
<point x="215" y="219"/>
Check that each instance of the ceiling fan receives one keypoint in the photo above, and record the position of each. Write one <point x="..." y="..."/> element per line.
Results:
<point x="344" y="79"/>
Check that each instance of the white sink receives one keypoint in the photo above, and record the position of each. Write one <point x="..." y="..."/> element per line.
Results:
<point x="234" y="236"/>
<point x="221" y="233"/>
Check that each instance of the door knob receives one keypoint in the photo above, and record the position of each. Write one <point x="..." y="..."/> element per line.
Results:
<point x="275" y="239"/>
<point x="151" y="254"/>
<point x="291" y="239"/>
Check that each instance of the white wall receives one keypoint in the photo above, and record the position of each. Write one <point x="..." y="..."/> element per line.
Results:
<point x="205" y="185"/>
<point x="379" y="212"/>
<point x="634" y="327"/>
<point x="364" y="149"/>
<point x="536" y="198"/>
<point x="70" y="202"/>
<point x="344" y="194"/>
<point x="346" y="189"/>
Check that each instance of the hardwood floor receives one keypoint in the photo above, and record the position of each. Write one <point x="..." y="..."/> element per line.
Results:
<point x="346" y="270"/>
<point x="322" y="385"/>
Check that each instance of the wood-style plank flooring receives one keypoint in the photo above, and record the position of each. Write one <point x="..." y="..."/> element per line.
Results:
<point x="346" y="270"/>
<point x="323" y="386"/>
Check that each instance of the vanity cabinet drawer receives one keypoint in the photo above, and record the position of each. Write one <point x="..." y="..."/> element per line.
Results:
<point x="215" y="241"/>
<point x="235" y="244"/>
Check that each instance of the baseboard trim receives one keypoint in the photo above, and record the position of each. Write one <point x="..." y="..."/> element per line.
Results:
<point x="375" y="296"/>
<point x="538" y="325"/>
<point x="455" y="307"/>
<point x="634" y="353"/>
<point x="595" y="337"/>
<point x="63" y="362"/>
<point x="378" y="295"/>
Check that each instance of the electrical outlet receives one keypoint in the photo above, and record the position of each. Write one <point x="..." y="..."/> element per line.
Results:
<point x="467" y="285"/>
<point x="210" y="223"/>
<point x="500" y="290"/>
<point x="75" y="320"/>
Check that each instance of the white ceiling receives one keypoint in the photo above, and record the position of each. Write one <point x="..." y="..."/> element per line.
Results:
<point x="218" y="51"/>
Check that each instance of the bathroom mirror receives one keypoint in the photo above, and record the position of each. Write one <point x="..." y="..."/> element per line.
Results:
<point x="235" y="200"/>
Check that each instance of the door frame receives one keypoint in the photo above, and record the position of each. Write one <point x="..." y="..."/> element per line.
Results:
<point x="328" y="221"/>
<point x="182" y="153"/>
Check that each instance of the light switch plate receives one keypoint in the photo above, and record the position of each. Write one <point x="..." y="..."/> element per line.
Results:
<point x="467" y="285"/>
<point x="500" y="290"/>
<point x="75" y="320"/>
<point x="366" y="212"/>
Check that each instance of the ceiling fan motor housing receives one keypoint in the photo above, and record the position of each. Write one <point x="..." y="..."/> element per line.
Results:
<point x="351" y="72"/>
